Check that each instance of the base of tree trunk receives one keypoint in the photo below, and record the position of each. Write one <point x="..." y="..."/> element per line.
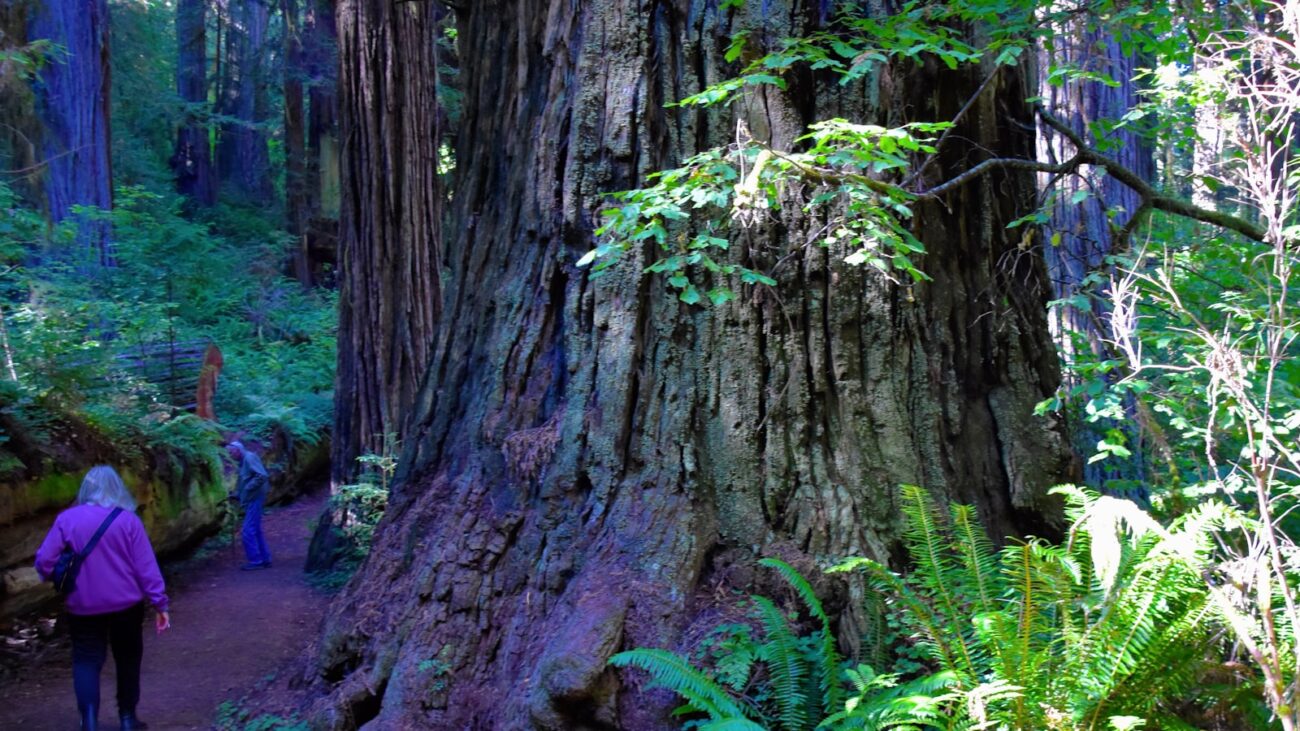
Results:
<point x="593" y="465"/>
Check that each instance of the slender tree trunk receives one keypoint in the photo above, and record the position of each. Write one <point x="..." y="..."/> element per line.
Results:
<point x="219" y="74"/>
<point x="244" y="160"/>
<point x="322" y="170"/>
<point x="1080" y="234"/>
<point x="192" y="160"/>
<point x="253" y="109"/>
<point x="321" y="166"/>
<point x="297" y="211"/>
<point x="227" y="84"/>
<point x="10" y="371"/>
<point x="594" y="465"/>
<point x="388" y="234"/>
<point x="73" y="106"/>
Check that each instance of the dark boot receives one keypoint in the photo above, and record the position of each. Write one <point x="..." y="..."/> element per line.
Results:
<point x="89" y="717"/>
<point x="131" y="723"/>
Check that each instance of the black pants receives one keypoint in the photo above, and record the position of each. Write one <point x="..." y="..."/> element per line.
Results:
<point x="92" y="635"/>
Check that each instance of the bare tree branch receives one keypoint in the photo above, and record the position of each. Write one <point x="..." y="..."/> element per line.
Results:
<point x="20" y="172"/>
<point x="1086" y="155"/>
<point x="998" y="163"/>
<point x="1149" y="194"/>
<point x="960" y="113"/>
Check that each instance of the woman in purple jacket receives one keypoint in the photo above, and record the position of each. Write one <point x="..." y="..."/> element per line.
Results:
<point x="107" y="606"/>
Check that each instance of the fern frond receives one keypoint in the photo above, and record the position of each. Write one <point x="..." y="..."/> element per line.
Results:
<point x="915" y="611"/>
<point x="732" y="724"/>
<point x="785" y="664"/>
<point x="1040" y="580"/>
<point x="977" y="556"/>
<point x="800" y="585"/>
<point x="670" y="670"/>
<point x="1154" y="639"/>
<point x="828" y="659"/>
<point x="929" y="702"/>
<point x="929" y="546"/>
<point x="981" y="702"/>
<point x="1171" y="665"/>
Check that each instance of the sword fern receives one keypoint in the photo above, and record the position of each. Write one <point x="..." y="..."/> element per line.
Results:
<point x="1111" y="627"/>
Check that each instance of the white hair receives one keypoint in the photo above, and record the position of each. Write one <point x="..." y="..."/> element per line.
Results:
<point x="103" y="486"/>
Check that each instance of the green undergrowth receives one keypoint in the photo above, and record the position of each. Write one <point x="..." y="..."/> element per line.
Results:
<point x="355" y="510"/>
<point x="232" y="717"/>
<point x="1113" y="630"/>
<point x="69" y="373"/>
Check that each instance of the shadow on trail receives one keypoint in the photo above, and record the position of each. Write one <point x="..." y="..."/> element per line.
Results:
<point x="231" y="631"/>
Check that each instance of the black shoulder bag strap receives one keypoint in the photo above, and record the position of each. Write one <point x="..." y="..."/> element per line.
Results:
<point x="102" y="527"/>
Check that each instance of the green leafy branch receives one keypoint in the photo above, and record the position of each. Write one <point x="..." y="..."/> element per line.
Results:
<point x="864" y="178"/>
<point x="732" y="189"/>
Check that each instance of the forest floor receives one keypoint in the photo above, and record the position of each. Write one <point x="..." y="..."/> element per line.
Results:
<point x="233" y="633"/>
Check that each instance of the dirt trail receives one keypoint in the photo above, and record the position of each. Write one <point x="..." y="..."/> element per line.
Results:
<point x="231" y="631"/>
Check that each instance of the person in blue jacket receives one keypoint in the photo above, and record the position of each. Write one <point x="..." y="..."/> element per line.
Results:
<point x="250" y="491"/>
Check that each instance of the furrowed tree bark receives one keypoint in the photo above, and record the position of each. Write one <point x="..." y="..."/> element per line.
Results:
<point x="192" y="160"/>
<point x="389" y="225"/>
<point x="594" y="465"/>
<point x="228" y="13"/>
<point x="1084" y="229"/>
<point x="72" y="95"/>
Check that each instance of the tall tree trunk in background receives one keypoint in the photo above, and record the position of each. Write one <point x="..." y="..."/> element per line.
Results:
<point x="254" y="166"/>
<point x="221" y="82"/>
<point x="192" y="161"/>
<point x="72" y="102"/>
<point x="389" y="223"/>
<point x="1080" y="235"/>
<point x="296" y="201"/>
<point x="243" y="160"/>
<point x="594" y="465"/>
<point x="321" y="50"/>
<point x="20" y="130"/>
<point x="228" y="20"/>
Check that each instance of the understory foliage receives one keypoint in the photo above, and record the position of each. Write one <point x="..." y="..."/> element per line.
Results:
<point x="785" y="678"/>
<point x="1201" y="355"/>
<point x="232" y="716"/>
<point x="1114" y="629"/>
<point x="356" y="509"/>
<point x="71" y="329"/>
<point x="1109" y="630"/>
<point x="71" y="333"/>
<point x="361" y="504"/>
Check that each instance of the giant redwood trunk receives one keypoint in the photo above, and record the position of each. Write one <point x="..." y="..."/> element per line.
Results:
<point x="72" y="93"/>
<point x="594" y="465"/>
<point x="192" y="161"/>
<point x="389" y="222"/>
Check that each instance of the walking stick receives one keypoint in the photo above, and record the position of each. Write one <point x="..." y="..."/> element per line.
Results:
<point x="232" y="514"/>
